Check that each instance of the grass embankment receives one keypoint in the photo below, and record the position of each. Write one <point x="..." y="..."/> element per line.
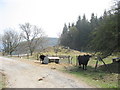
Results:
<point x="100" y="78"/>
<point x="2" y="80"/>
<point x="51" y="51"/>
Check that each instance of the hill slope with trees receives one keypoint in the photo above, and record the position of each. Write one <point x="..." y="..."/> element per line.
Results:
<point x="97" y="35"/>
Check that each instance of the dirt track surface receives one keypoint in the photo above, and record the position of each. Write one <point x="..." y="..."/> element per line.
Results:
<point x="25" y="75"/>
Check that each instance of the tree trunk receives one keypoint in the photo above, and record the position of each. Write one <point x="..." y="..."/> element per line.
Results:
<point x="10" y="53"/>
<point x="31" y="52"/>
<point x="27" y="55"/>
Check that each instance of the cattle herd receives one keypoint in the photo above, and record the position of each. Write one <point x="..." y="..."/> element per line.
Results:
<point x="82" y="60"/>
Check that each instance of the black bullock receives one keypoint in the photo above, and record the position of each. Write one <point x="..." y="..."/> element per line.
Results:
<point x="42" y="58"/>
<point x="83" y="60"/>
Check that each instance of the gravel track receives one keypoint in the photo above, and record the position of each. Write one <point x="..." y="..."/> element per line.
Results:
<point x="24" y="75"/>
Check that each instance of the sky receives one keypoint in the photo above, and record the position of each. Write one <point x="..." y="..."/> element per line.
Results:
<point x="49" y="15"/>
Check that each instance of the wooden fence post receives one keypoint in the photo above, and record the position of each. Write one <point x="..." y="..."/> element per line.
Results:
<point x="76" y="61"/>
<point x="100" y="59"/>
<point x="96" y="64"/>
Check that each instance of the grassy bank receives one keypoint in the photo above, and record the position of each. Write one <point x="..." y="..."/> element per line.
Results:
<point x="2" y="80"/>
<point x="97" y="79"/>
<point x="100" y="78"/>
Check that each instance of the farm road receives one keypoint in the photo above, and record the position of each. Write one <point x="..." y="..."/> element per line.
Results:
<point x="24" y="75"/>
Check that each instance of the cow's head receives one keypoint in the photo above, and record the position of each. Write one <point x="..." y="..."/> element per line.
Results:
<point x="88" y="56"/>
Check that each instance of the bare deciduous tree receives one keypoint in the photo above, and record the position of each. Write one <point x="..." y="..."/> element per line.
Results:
<point x="10" y="41"/>
<point x="33" y="35"/>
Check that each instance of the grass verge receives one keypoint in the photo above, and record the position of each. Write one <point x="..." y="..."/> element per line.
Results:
<point x="2" y="80"/>
<point x="100" y="78"/>
<point x="97" y="79"/>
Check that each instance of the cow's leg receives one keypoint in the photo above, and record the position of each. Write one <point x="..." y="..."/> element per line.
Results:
<point x="79" y="65"/>
<point x="40" y="61"/>
<point x="85" y="67"/>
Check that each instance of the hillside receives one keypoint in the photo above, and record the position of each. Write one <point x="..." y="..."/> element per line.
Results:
<point x="52" y="41"/>
<point x="49" y="42"/>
